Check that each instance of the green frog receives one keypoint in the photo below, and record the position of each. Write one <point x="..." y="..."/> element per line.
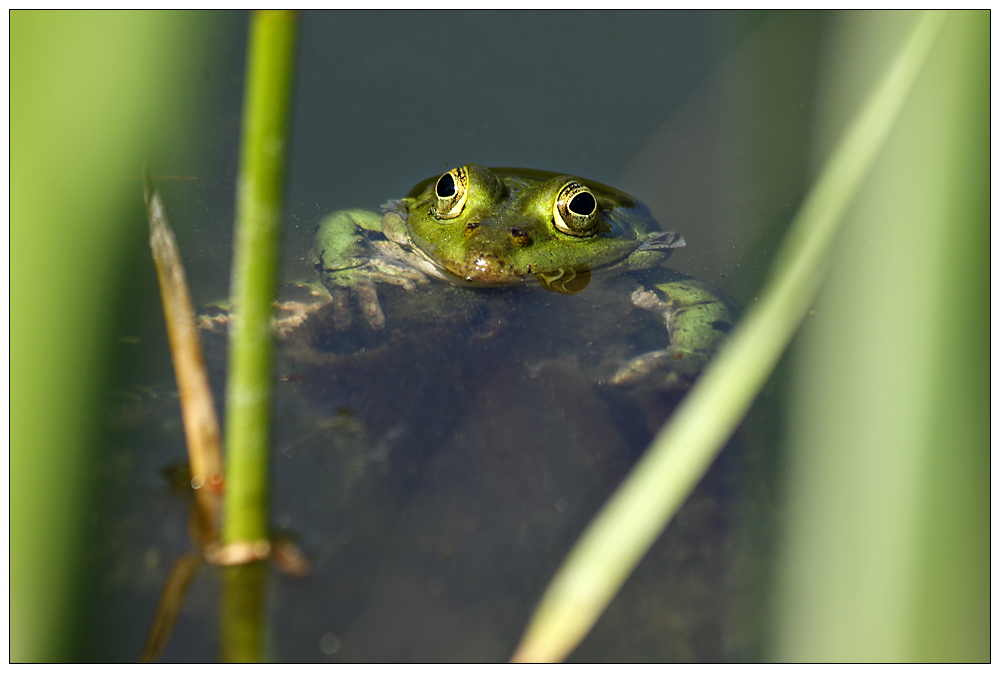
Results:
<point x="480" y="227"/>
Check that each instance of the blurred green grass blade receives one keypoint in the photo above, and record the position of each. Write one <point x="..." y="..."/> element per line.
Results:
<point x="92" y="95"/>
<point x="622" y="532"/>
<point x="260" y="193"/>
<point x="951" y="620"/>
<point x="885" y="555"/>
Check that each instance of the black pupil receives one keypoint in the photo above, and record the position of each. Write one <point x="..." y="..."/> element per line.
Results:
<point x="582" y="204"/>
<point x="446" y="186"/>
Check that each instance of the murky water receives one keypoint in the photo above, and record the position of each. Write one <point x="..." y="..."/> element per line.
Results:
<point x="436" y="473"/>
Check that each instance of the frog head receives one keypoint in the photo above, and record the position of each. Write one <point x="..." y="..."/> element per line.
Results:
<point x="504" y="225"/>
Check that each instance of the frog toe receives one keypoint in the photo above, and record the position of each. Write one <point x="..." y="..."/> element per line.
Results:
<point x="647" y="300"/>
<point x="342" y="318"/>
<point x="367" y="298"/>
<point x="394" y="272"/>
<point x="662" y="369"/>
<point x="370" y="306"/>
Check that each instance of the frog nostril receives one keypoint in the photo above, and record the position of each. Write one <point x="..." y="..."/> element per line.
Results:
<point x="520" y="237"/>
<point x="470" y="229"/>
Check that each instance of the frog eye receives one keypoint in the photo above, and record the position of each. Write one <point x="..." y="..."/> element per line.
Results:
<point x="575" y="211"/>
<point x="452" y="191"/>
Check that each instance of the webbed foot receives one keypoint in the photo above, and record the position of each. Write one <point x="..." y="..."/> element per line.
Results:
<point x="351" y="255"/>
<point x="697" y="317"/>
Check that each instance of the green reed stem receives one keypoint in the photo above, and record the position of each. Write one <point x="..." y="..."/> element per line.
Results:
<point x="242" y="623"/>
<point x="681" y="453"/>
<point x="260" y="191"/>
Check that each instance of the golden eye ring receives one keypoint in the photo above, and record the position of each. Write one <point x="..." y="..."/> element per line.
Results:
<point x="451" y="192"/>
<point x="575" y="210"/>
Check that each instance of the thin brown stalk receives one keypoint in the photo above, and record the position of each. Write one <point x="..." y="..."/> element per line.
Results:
<point x="171" y="601"/>
<point x="201" y="426"/>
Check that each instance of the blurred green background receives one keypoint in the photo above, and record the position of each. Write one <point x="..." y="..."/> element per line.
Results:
<point x="885" y="547"/>
<point x="93" y="96"/>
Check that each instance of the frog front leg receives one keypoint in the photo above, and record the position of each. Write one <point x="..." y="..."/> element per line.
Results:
<point x="350" y="254"/>
<point x="697" y="318"/>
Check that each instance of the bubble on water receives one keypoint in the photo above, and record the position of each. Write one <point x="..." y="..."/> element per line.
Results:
<point x="435" y="587"/>
<point x="329" y="643"/>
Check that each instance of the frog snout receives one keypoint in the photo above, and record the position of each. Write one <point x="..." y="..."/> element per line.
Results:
<point x="488" y="247"/>
<point x="495" y="237"/>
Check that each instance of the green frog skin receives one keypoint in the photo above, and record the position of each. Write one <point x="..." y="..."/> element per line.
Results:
<point x="475" y="226"/>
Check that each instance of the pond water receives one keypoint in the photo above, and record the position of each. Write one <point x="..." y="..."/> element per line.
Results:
<point x="436" y="473"/>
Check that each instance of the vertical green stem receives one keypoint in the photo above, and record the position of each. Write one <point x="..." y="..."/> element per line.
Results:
<point x="266" y="110"/>
<point x="242" y="613"/>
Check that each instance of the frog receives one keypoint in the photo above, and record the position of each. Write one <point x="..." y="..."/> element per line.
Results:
<point x="480" y="227"/>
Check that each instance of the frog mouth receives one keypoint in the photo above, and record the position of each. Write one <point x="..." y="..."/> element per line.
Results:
<point x="486" y="269"/>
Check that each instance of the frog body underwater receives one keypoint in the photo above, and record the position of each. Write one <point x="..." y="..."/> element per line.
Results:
<point x="480" y="227"/>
